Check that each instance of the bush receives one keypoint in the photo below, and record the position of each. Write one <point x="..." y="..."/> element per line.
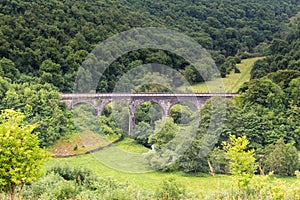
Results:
<point x="170" y="190"/>
<point x="281" y="158"/>
<point x="108" y="126"/>
<point x="50" y="187"/>
<point x="79" y="175"/>
<point x="61" y="183"/>
<point x="267" y="187"/>
<point x="262" y="187"/>
<point x="142" y="133"/>
<point x="218" y="161"/>
<point x="236" y="70"/>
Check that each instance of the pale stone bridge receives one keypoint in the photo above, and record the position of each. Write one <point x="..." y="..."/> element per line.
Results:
<point x="134" y="100"/>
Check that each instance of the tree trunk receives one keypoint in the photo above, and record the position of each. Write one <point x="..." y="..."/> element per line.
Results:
<point x="21" y="189"/>
<point x="261" y="170"/>
<point x="211" y="168"/>
<point x="12" y="191"/>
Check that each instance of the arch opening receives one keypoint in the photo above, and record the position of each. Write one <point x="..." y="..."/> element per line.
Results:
<point x="148" y="112"/>
<point x="107" y="110"/>
<point x="87" y="105"/>
<point x="85" y="116"/>
<point x="183" y="112"/>
<point x="119" y="114"/>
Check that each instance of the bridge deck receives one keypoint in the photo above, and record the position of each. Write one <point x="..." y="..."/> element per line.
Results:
<point x="99" y="95"/>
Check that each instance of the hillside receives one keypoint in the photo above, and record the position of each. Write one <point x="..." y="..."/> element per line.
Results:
<point x="46" y="38"/>
<point x="283" y="53"/>
<point x="233" y="81"/>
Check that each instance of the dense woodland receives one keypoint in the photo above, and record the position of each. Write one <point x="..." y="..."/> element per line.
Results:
<point x="48" y="40"/>
<point x="43" y="44"/>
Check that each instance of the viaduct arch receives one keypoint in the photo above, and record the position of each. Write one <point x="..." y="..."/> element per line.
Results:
<point x="134" y="100"/>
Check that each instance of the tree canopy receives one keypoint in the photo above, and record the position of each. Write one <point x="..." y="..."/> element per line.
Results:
<point x="21" y="158"/>
<point x="51" y="39"/>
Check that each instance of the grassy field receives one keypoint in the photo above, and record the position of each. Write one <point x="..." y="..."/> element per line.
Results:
<point x="123" y="162"/>
<point x="143" y="181"/>
<point x="233" y="81"/>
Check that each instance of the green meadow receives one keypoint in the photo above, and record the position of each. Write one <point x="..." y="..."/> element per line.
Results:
<point x="123" y="162"/>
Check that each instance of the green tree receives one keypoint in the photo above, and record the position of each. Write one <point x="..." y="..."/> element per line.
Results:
<point x="264" y="92"/>
<point x="181" y="114"/>
<point x="283" y="77"/>
<point x="142" y="113"/>
<point x="148" y="112"/>
<point x="40" y="103"/>
<point x="21" y="158"/>
<point x="281" y="158"/>
<point x="83" y="84"/>
<point x="50" y="72"/>
<point x="192" y="75"/>
<point x="269" y="109"/>
<point x="8" y="69"/>
<point x="241" y="161"/>
<point x="120" y="114"/>
<point x="165" y="131"/>
<point x="294" y="91"/>
<point x="193" y="160"/>
<point x="217" y="161"/>
<point x="4" y="87"/>
<point x="209" y="131"/>
<point x="142" y="133"/>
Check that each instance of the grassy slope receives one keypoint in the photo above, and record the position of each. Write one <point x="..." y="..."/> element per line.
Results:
<point x="233" y="81"/>
<point x="85" y="141"/>
<point x="87" y="137"/>
<point x="103" y="163"/>
<point x="122" y="159"/>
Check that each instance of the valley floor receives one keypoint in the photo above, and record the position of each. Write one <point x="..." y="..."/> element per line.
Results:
<point x="123" y="162"/>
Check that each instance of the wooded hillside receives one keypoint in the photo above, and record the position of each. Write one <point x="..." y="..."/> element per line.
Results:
<point x="48" y="40"/>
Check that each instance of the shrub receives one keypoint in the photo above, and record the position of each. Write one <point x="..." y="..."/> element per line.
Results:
<point x="262" y="187"/>
<point x="142" y="133"/>
<point x="241" y="161"/>
<point x="236" y="70"/>
<point x="281" y="158"/>
<point x="79" y="175"/>
<point x="170" y="190"/>
<point x="75" y="147"/>
<point x="51" y="187"/>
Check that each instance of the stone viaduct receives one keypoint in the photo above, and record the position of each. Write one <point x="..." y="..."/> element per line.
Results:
<point x="134" y="100"/>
